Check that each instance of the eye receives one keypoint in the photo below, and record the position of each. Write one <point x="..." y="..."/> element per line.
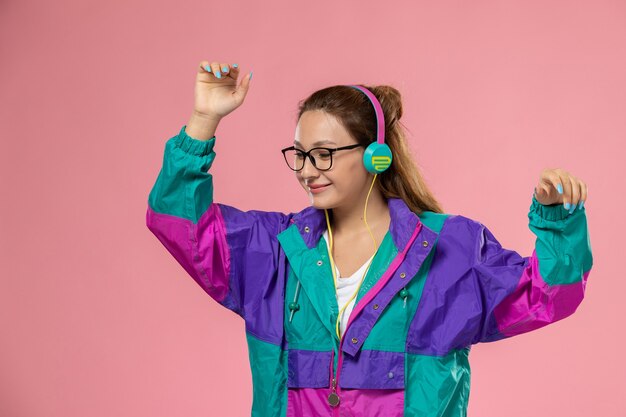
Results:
<point x="321" y="154"/>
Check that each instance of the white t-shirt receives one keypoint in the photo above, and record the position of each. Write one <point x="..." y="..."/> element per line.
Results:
<point x="346" y="286"/>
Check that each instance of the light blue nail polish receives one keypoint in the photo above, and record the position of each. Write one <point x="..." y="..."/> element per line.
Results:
<point x="206" y="67"/>
<point x="582" y="203"/>
<point x="224" y="69"/>
<point x="572" y="209"/>
<point x="559" y="187"/>
<point x="235" y="65"/>
<point x="250" y="74"/>
<point x="218" y="75"/>
<point x="566" y="206"/>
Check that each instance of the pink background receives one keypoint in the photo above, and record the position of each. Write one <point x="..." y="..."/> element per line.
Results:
<point x="97" y="319"/>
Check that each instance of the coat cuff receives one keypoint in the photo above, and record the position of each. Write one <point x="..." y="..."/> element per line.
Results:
<point x="194" y="146"/>
<point x="552" y="212"/>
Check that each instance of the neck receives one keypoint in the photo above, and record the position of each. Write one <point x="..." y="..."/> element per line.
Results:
<point x="348" y="220"/>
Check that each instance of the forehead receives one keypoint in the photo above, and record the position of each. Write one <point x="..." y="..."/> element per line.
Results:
<point x="318" y="128"/>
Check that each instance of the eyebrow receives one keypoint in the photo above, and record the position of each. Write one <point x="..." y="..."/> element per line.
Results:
<point x="319" y="142"/>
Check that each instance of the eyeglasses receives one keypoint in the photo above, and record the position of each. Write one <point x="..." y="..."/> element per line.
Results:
<point x="321" y="158"/>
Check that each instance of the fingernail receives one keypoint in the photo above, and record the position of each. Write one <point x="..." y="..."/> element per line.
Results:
<point x="572" y="209"/>
<point x="559" y="187"/>
<point x="250" y="74"/>
<point x="206" y="67"/>
<point x="224" y="69"/>
<point x="235" y="66"/>
<point x="218" y="75"/>
<point x="581" y="204"/>
<point x="566" y="206"/>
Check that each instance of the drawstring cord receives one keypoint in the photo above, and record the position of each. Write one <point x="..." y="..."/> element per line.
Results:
<point x="294" y="306"/>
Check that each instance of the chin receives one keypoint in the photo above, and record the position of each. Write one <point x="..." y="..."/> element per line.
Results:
<point x="320" y="202"/>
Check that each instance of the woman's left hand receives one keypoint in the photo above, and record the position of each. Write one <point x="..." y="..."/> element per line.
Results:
<point x="557" y="186"/>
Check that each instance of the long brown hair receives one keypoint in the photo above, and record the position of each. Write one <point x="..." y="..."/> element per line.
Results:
<point x="354" y="110"/>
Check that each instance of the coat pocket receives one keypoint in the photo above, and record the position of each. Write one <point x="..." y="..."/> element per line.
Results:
<point x="308" y="368"/>
<point x="373" y="369"/>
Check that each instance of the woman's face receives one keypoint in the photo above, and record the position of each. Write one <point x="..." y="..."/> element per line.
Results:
<point x="347" y="179"/>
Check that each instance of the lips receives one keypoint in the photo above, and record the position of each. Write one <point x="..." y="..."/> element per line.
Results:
<point x="314" y="186"/>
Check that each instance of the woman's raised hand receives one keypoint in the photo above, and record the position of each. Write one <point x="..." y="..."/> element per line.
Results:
<point x="216" y="91"/>
<point x="216" y="95"/>
<point x="557" y="186"/>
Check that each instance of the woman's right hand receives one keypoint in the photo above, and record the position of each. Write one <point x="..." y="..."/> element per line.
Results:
<point x="215" y="97"/>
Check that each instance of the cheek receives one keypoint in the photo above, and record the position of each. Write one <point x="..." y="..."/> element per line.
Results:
<point x="351" y="173"/>
<point x="357" y="168"/>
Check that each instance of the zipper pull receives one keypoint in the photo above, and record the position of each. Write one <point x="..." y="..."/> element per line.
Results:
<point x="333" y="398"/>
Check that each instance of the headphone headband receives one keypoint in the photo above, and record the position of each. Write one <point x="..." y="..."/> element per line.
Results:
<point x="377" y="156"/>
<point x="380" y="117"/>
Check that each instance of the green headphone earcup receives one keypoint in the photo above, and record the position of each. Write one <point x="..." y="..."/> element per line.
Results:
<point x="377" y="157"/>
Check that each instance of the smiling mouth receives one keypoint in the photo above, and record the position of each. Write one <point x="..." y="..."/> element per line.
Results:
<point x="317" y="189"/>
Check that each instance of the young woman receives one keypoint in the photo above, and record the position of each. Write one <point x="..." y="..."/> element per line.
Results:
<point x="367" y="302"/>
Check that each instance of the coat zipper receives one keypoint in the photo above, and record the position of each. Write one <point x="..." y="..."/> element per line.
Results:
<point x="334" y="398"/>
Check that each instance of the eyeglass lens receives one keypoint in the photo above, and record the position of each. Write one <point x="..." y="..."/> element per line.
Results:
<point x="295" y="158"/>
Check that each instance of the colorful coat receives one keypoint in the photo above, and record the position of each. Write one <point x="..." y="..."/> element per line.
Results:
<point x="438" y="284"/>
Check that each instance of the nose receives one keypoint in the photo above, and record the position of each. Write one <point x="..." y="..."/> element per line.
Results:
<point x="309" y="170"/>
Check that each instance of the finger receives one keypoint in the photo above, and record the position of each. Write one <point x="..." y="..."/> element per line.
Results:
<point x="541" y="190"/>
<point x="575" y="187"/>
<point x="224" y="69"/>
<point x="215" y="70"/>
<point x="243" y="87"/>
<point x="567" y="191"/>
<point x="545" y="188"/>
<point x="554" y="181"/>
<point x="227" y="70"/>
<point x="202" y="67"/>
<point x="233" y="71"/>
<point x="210" y="68"/>
<point x="583" y="194"/>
